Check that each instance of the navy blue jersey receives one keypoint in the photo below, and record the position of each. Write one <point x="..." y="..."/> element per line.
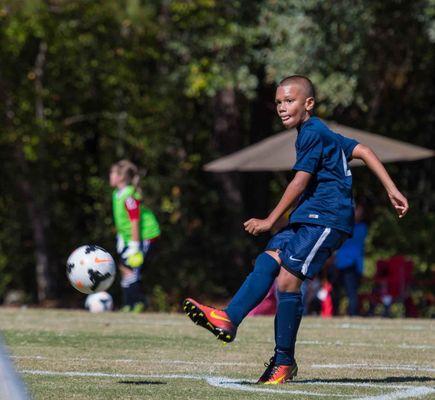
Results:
<point x="327" y="200"/>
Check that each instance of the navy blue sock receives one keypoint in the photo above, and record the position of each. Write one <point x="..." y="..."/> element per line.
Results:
<point x="254" y="289"/>
<point x="127" y="298"/>
<point x="137" y="295"/>
<point x="133" y="294"/>
<point x="288" y="318"/>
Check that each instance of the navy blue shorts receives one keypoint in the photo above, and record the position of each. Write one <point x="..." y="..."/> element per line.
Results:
<point x="304" y="248"/>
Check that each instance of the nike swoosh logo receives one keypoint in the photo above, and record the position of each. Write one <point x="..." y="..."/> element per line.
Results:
<point x="101" y="260"/>
<point x="216" y="316"/>
<point x="294" y="259"/>
<point x="279" y="379"/>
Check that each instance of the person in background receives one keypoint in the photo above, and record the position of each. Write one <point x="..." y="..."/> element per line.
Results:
<point x="137" y="232"/>
<point x="349" y="264"/>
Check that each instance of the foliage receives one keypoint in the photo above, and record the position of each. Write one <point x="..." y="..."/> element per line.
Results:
<point x="83" y="84"/>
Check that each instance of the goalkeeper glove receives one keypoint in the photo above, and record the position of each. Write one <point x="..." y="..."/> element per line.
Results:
<point x="133" y="255"/>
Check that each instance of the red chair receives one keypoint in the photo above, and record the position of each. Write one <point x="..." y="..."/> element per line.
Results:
<point x="391" y="284"/>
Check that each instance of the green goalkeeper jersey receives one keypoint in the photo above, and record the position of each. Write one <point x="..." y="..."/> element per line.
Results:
<point x="125" y="202"/>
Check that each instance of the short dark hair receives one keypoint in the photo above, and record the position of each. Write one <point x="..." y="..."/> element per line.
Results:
<point x="303" y="81"/>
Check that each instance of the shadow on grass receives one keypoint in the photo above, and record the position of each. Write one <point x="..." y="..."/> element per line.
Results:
<point x="247" y="383"/>
<point x="142" y="383"/>
<point x="390" y="379"/>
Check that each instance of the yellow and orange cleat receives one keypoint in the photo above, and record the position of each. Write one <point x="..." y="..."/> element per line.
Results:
<point x="216" y="321"/>
<point x="279" y="374"/>
<point x="269" y="367"/>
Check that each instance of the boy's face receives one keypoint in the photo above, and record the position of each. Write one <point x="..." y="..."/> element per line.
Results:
<point x="114" y="178"/>
<point x="292" y="105"/>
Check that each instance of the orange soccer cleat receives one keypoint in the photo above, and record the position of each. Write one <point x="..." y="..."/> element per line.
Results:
<point x="280" y="374"/>
<point x="216" y="321"/>
<point x="269" y="367"/>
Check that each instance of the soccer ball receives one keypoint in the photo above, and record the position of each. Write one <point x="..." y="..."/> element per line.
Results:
<point x="99" y="302"/>
<point x="90" y="269"/>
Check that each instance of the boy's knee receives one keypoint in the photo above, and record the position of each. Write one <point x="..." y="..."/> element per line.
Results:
<point x="288" y="282"/>
<point x="267" y="264"/>
<point x="274" y="255"/>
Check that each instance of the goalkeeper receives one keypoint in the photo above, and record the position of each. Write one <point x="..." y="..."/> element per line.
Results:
<point x="137" y="232"/>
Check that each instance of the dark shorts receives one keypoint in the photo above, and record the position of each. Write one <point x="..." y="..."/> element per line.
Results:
<point x="304" y="248"/>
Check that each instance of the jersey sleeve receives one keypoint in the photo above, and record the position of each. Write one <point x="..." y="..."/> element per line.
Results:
<point x="308" y="152"/>
<point x="132" y="207"/>
<point x="347" y="145"/>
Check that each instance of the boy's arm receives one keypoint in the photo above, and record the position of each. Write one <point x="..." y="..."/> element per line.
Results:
<point x="400" y="203"/>
<point x="135" y="230"/>
<point x="133" y="254"/>
<point x="294" y="189"/>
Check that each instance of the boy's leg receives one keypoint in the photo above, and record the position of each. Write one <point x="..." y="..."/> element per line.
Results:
<point x="289" y="315"/>
<point x="130" y="284"/>
<point x="302" y="258"/>
<point x="138" y="297"/>
<point x="282" y="338"/>
<point x="255" y="287"/>
<point x="283" y="367"/>
<point x="259" y="281"/>
<point x="223" y="323"/>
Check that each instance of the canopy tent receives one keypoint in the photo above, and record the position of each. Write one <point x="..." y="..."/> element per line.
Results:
<point x="277" y="153"/>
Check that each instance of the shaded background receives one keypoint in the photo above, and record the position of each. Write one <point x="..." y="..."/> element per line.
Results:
<point x="173" y="85"/>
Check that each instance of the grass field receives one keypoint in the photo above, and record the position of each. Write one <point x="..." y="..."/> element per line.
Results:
<point x="77" y="355"/>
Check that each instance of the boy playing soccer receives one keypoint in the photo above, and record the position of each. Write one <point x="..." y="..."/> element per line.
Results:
<point x="323" y="218"/>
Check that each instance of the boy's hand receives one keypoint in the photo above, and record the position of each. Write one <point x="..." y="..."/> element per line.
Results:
<point x="133" y="255"/>
<point x="135" y="260"/>
<point x="399" y="202"/>
<point x="255" y="226"/>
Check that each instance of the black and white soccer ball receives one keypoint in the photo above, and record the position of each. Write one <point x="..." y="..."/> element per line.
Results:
<point x="90" y="269"/>
<point x="99" y="302"/>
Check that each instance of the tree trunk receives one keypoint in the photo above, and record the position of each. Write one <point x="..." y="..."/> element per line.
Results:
<point x="39" y="221"/>
<point x="227" y="139"/>
<point x="36" y="206"/>
<point x="257" y="192"/>
<point x="32" y="190"/>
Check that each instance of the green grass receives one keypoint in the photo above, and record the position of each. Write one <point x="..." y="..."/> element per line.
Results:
<point x="153" y="353"/>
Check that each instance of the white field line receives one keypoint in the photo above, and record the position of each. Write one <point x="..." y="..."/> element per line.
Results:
<point x="108" y="318"/>
<point x="228" y="383"/>
<point x="199" y="377"/>
<point x="387" y="367"/>
<point x="339" y="343"/>
<point x="416" y="346"/>
<point x="235" y="384"/>
<point x="366" y="344"/>
<point x="411" y="393"/>
<point x="133" y="361"/>
<point x="104" y="321"/>
<point x="371" y="327"/>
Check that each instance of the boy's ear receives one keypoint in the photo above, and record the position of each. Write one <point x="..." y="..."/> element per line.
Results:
<point x="309" y="103"/>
